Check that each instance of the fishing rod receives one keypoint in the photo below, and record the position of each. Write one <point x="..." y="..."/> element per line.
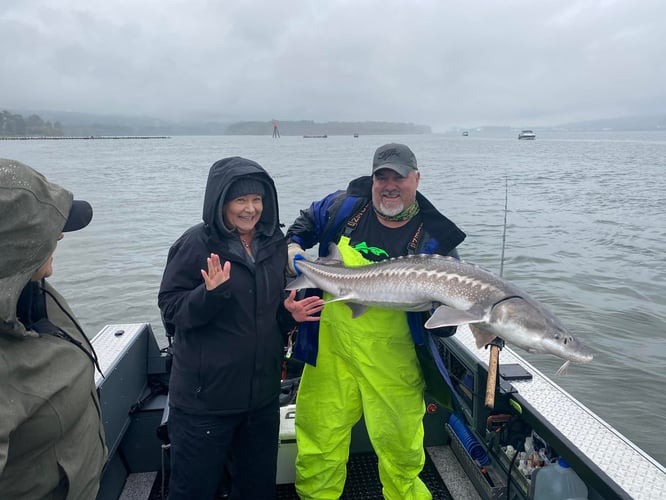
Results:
<point x="497" y="343"/>
<point x="506" y="204"/>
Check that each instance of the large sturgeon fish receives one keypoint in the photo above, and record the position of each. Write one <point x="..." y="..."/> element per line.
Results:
<point x="459" y="292"/>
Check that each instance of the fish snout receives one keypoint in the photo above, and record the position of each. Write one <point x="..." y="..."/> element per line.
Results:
<point x="582" y="356"/>
<point x="576" y="351"/>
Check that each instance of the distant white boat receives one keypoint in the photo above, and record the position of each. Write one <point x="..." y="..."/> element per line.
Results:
<point x="465" y="133"/>
<point x="527" y="135"/>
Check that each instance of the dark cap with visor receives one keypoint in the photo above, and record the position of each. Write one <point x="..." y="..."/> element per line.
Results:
<point x="397" y="157"/>
<point x="79" y="217"/>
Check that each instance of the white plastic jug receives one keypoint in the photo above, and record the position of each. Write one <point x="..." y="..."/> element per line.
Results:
<point x="558" y="481"/>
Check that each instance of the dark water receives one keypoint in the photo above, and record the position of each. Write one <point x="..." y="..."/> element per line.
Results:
<point x="586" y="233"/>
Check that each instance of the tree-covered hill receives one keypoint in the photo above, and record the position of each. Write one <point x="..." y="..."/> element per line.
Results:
<point x="308" y="127"/>
<point x="13" y="125"/>
<point x="80" y="124"/>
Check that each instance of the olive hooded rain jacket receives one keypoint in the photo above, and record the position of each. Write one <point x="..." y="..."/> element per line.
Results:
<point x="51" y="436"/>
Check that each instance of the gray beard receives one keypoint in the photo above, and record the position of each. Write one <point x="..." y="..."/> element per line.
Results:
<point x="390" y="212"/>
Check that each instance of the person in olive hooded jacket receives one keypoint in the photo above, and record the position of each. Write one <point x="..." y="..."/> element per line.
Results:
<point x="51" y="435"/>
<point x="222" y="294"/>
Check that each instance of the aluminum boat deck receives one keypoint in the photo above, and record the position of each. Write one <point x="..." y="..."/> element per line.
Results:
<point x="593" y="446"/>
<point x="611" y="465"/>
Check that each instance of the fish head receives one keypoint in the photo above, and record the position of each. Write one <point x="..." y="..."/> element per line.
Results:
<point x="528" y="324"/>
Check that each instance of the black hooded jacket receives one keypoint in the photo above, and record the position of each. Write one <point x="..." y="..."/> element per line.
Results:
<point x="228" y="346"/>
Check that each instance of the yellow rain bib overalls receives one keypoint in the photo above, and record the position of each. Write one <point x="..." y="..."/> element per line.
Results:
<point x="365" y="366"/>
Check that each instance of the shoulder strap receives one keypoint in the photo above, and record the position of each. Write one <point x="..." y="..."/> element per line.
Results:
<point x="414" y="243"/>
<point x="352" y="222"/>
<point x="340" y="216"/>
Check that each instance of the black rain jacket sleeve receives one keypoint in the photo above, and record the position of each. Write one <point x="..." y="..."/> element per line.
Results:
<point x="183" y="299"/>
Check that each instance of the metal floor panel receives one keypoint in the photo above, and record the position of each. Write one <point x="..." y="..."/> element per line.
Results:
<point x="362" y="482"/>
<point x="638" y="474"/>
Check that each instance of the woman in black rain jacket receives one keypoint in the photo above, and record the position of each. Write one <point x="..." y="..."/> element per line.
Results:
<point x="222" y="295"/>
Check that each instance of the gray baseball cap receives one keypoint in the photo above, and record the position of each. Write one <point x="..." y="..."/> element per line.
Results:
<point x="397" y="157"/>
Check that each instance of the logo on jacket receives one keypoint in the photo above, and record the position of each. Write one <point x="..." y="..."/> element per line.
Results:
<point x="363" y="247"/>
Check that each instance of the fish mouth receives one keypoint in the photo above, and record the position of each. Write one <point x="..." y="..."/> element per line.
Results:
<point x="585" y="358"/>
<point x="581" y="355"/>
<point x="579" y="358"/>
<point x="568" y="348"/>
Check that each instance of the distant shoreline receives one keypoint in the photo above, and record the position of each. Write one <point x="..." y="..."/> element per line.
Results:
<point x="89" y="137"/>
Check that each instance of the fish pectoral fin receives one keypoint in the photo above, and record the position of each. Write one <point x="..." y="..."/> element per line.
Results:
<point x="341" y="298"/>
<point x="357" y="309"/>
<point x="482" y="338"/>
<point x="448" y="316"/>
<point x="300" y="283"/>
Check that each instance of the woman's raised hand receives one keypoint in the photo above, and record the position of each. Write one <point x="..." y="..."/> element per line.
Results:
<point x="217" y="274"/>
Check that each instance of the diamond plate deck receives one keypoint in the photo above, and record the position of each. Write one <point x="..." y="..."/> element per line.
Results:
<point x="638" y="474"/>
<point x="110" y="344"/>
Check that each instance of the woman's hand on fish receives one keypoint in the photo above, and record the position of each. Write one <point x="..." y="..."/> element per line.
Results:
<point x="217" y="273"/>
<point x="303" y="310"/>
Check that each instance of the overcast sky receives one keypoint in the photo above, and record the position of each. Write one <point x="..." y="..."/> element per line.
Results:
<point x="439" y="63"/>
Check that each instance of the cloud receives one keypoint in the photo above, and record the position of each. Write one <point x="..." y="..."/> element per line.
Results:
<point x="429" y="62"/>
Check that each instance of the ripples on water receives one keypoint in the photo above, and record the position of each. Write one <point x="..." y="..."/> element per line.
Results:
<point x="586" y="233"/>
